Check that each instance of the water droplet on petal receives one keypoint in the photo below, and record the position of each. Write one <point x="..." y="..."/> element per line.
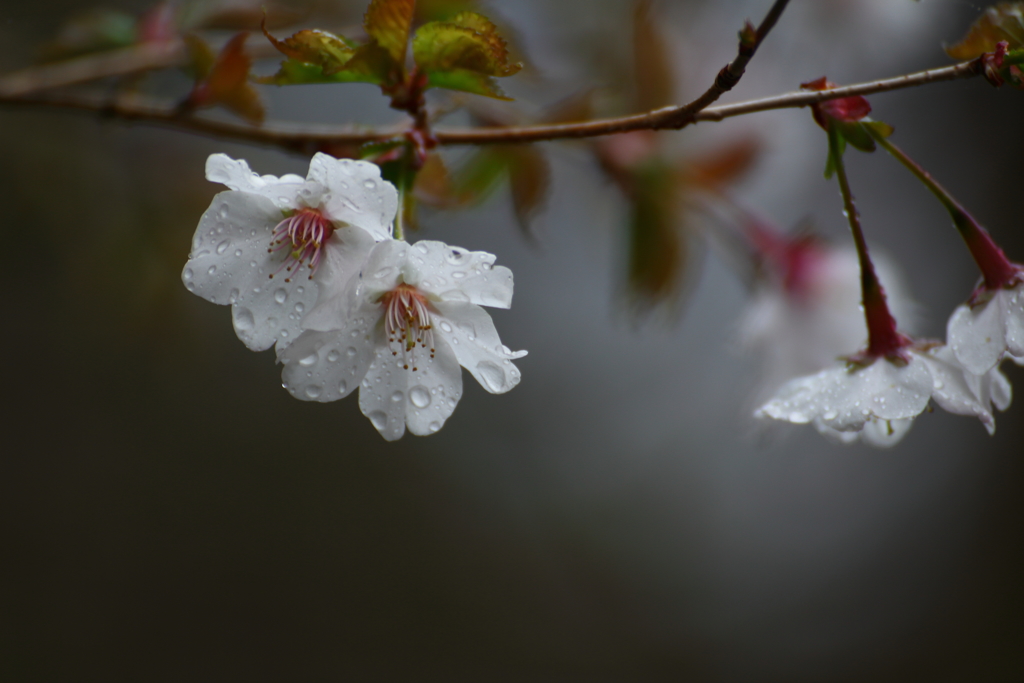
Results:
<point x="233" y="296"/>
<point x="280" y="296"/>
<point x="308" y="360"/>
<point x="493" y="376"/>
<point x="187" y="274"/>
<point x="223" y="246"/>
<point x="434" y="426"/>
<point x="445" y="326"/>
<point x="300" y="307"/>
<point x="343" y="386"/>
<point x="333" y="356"/>
<point x="419" y="396"/>
<point x="211" y="270"/>
<point x="458" y="275"/>
<point x="379" y="419"/>
<point x="369" y="184"/>
<point x="242" y="318"/>
<point x="314" y="390"/>
<point x="397" y="396"/>
<point x="350" y="352"/>
<point x="238" y="253"/>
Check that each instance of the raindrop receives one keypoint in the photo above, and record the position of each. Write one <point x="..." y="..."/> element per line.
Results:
<point x="434" y="426"/>
<point x="300" y="307"/>
<point x="223" y="246"/>
<point x="308" y="360"/>
<point x="458" y="275"/>
<point x="242" y="317"/>
<point x="343" y="387"/>
<point x="333" y="356"/>
<point x="314" y="390"/>
<point x="350" y="352"/>
<point x="493" y="376"/>
<point x="446" y="327"/>
<point x="369" y="184"/>
<point x="300" y="290"/>
<point x="420" y="397"/>
<point x="238" y="253"/>
<point x="384" y="272"/>
<point x="211" y="270"/>
<point x="187" y="274"/>
<point x="280" y="296"/>
<point x="831" y="414"/>
<point x="397" y="396"/>
<point x="233" y="297"/>
<point x="379" y="419"/>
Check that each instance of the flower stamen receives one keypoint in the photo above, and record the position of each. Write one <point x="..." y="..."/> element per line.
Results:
<point x="303" y="234"/>
<point x="407" y="323"/>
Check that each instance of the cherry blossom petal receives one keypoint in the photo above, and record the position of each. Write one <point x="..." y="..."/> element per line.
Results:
<point x="845" y="399"/>
<point x="392" y="396"/>
<point x="236" y="174"/>
<point x="229" y="264"/>
<point x="354" y="193"/>
<point x="456" y="274"/>
<point x="327" y="366"/>
<point x="885" y="433"/>
<point x="473" y="338"/>
<point x="952" y="388"/>
<point x="978" y="335"/>
<point x="344" y="255"/>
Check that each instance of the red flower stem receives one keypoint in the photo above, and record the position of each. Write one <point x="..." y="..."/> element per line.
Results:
<point x="883" y="339"/>
<point x="997" y="270"/>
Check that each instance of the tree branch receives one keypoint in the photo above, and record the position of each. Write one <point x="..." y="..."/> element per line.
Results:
<point x="306" y="138"/>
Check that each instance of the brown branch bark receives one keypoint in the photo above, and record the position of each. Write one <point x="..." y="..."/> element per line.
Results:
<point x="305" y="138"/>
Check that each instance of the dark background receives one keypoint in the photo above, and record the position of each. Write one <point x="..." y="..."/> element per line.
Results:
<point x="167" y="512"/>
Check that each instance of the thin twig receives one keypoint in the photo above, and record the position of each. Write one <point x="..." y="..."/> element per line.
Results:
<point x="305" y="138"/>
<point x="731" y="74"/>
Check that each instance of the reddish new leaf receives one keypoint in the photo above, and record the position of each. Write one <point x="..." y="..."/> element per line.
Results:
<point x="721" y="166"/>
<point x="846" y="109"/>
<point x="1003" y="22"/>
<point x="651" y="64"/>
<point x="389" y="22"/>
<point x="227" y="83"/>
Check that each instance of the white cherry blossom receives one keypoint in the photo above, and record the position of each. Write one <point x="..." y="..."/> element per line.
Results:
<point x="878" y="401"/>
<point x="259" y="244"/>
<point x="981" y="334"/>
<point x="400" y="332"/>
<point x="806" y="310"/>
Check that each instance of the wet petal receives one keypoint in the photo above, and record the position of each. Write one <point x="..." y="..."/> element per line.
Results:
<point x="456" y="274"/>
<point x="382" y="394"/>
<point x="236" y="174"/>
<point x="354" y="193"/>
<point x="1013" y="302"/>
<point x="978" y="335"/>
<point x="433" y="390"/>
<point x="326" y="366"/>
<point x="344" y="255"/>
<point x="230" y="264"/>
<point x="885" y="433"/>
<point x="470" y="332"/>
<point x="952" y="387"/>
<point x="845" y="399"/>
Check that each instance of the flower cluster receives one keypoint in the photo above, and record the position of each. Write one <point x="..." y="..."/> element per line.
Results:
<point x="875" y="394"/>
<point x="309" y="266"/>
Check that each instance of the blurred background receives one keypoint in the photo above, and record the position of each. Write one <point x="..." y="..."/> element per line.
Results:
<point x="169" y="512"/>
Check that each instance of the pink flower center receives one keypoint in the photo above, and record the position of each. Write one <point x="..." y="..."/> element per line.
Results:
<point x="303" y="234"/>
<point x="407" y="323"/>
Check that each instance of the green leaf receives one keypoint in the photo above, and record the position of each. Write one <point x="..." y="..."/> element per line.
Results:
<point x="319" y="48"/>
<point x="293" y="72"/>
<point x="389" y="23"/>
<point x="1004" y="21"/>
<point x="658" y="244"/>
<point x="466" y="81"/>
<point x="469" y="42"/>
<point x="855" y="135"/>
<point x="463" y="54"/>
